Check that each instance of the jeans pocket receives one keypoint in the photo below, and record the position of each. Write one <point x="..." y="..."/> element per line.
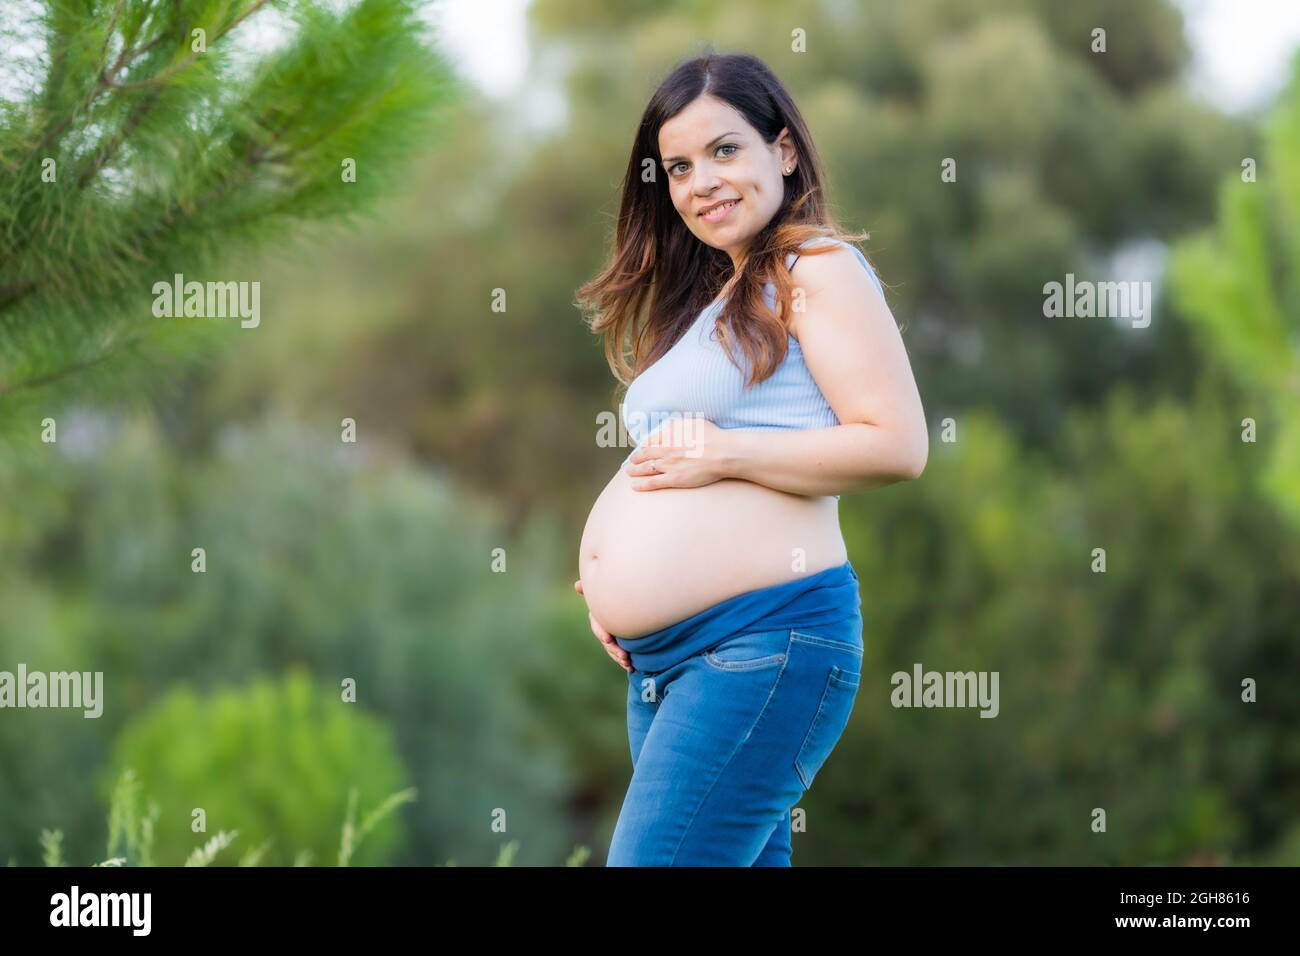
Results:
<point x="853" y="647"/>
<point x="753" y="651"/>
<point x="828" y="725"/>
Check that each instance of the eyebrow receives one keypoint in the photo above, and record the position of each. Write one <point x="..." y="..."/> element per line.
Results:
<point x="668" y="161"/>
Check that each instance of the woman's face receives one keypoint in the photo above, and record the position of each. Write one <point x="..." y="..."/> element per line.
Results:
<point x="711" y="154"/>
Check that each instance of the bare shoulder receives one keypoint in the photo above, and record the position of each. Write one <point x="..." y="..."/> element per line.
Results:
<point x="833" y="280"/>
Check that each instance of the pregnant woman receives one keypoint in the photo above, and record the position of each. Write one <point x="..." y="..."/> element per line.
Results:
<point x="767" y="377"/>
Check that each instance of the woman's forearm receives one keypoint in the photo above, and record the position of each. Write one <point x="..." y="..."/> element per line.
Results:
<point x="824" y="461"/>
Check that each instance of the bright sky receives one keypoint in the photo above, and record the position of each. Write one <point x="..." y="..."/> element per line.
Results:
<point x="1242" y="47"/>
<point x="486" y="39"/>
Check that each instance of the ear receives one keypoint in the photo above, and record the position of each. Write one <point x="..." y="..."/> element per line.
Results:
<point x="785" y="147"/>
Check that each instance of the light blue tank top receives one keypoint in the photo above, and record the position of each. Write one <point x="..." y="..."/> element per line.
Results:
<point x="696" y="377"/>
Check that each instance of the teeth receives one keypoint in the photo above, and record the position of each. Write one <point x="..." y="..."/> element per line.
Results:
<point x="716" y="209"/>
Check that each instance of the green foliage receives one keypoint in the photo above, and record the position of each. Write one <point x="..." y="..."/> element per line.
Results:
<point x="321" y="554"/>
<point x="131" y="151"/>
<point x="268" y="761"/>
<point x="1239" y="285"/>
<point x="1119" y="690"/>
<point x="52" y="847"/>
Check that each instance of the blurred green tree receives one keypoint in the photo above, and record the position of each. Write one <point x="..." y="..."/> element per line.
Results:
<point x="1239" y="285"/>
<point x="141" y="139"/>
<point x="1118" y="689"/>
<point x="333" y="557"/>
<point x="274" y="761"/>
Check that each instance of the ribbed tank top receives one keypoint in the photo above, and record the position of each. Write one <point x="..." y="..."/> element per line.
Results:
<point x="695" y="376"/>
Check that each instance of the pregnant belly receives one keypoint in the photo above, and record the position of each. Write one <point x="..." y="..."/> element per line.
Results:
<point x="652" y="558"/>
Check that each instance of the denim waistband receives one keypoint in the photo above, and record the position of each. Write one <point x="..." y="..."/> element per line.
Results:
<point x="827" y="597"/>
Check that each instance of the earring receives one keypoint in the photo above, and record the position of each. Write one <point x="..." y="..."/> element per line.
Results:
<point x="788" y="170"/>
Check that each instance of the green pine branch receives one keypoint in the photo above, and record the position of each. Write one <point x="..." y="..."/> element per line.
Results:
<point x="130" y="152"/>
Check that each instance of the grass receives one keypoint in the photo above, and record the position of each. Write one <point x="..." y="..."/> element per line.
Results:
<point x="132" y="834"/>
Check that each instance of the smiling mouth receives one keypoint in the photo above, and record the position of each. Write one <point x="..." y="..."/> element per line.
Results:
<point x="721" y="207"/>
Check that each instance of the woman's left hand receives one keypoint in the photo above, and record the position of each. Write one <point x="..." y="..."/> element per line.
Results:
<point x="681" y="453"/>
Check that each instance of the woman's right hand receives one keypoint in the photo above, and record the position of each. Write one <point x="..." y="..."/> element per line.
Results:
<point x="622" y="657"/>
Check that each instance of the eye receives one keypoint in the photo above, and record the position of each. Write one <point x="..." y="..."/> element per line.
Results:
<point x="672" y="170"/>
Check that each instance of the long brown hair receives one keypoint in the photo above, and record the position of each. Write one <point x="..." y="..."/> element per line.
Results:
<point x="657" y="259"/>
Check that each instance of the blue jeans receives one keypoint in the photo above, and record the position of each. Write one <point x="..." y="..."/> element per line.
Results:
<point x="726" y="740"/>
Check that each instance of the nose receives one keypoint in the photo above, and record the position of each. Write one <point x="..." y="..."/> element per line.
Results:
<point x="705" y="181"/>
